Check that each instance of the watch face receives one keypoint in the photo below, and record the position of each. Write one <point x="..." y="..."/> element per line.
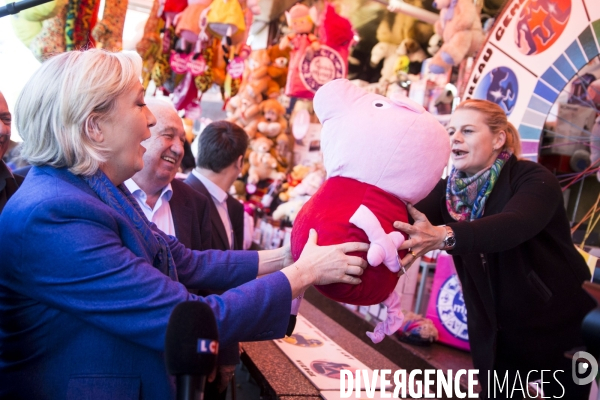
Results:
<point x="450" y="241"/>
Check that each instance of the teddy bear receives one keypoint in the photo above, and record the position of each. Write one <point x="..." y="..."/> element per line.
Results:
<point x="278" y="67"/>
<point x="460" y="28"/>
<point x="272" y="124"/>
<point x="379" y="154"/>
<point x="257" y="74"/>
<point x="299" y="195"/>
<point x="262" y="164"/>
<point x="294" y="178"/>
<point x="243" y="110"/>
<point x="290" y="209"/>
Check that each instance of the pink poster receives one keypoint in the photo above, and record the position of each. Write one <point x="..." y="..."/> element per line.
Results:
<point x="447" y="306"/>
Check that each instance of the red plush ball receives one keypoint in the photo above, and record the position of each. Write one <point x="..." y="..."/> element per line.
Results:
<point x="329" y="212"/>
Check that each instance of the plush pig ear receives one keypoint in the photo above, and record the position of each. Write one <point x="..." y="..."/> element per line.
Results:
<point x="405" y="102"/>
<point x="335" y="98"/>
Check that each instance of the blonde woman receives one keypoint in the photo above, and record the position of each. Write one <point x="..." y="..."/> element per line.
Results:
<point x="503" y="220"/>
<point x="87" y="284"/>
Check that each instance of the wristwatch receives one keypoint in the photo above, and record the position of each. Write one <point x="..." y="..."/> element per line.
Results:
<point x="449" y="240"/>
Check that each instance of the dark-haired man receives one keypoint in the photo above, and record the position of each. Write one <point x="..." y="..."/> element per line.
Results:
<point x="221" y="149"/>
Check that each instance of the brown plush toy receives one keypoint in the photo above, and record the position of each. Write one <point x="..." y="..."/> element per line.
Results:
<point x="272" y="124"/>
<point x="262" y="164"/>
<point x="244" y="110"/>
<point x="257" y="74"/>
<point x="278" y="68"/>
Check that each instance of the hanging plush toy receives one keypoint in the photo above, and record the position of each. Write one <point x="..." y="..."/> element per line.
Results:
<point x="108" y="32"/>
<point x="460" y="28"/>
<point x="303" y="44"/>
<point x="379" y="154"/>
<point x="227" y="18"/>
<point x="51" y="39"/>
<point x="81" y="19"/>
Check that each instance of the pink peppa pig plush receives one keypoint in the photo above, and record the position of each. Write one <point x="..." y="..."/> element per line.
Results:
<point x="379" y="154"/>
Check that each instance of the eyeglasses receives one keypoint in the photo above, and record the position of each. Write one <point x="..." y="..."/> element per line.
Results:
<point x="4" y="138"/>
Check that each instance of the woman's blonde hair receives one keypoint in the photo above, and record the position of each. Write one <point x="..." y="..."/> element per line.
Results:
<point x="495" y="119"/>
<point x="59" y="107"/>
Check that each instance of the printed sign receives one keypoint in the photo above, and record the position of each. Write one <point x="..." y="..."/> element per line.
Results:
<point x="532" y="52"/>
<point x="318" y="357"/>
<point x="446" y="306"/>
<point x="321" y="66"/>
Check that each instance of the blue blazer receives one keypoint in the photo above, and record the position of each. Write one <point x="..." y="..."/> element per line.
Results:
<point x="81" y="316"/>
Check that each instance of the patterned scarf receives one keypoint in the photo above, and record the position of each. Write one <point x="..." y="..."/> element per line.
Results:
<point x="466" y="196"/>
<point x="121" y="200"/>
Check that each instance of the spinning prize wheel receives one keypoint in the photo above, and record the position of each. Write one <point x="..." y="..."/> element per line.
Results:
<point x="534" y="52"/>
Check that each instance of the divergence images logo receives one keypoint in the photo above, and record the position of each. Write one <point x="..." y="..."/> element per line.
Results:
<point x="540" y="24"/>
<point x="328" y="368"/>
<point x="298" y="339"/>
<point x="499" y="86"/>
<point x="325" y="65"/>
<point x="584" y="363"/>
<point x="451" y="308"/>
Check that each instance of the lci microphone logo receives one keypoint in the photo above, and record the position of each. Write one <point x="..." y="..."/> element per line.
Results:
<point x="581" y="367"/>
<point x="207" y="346"/>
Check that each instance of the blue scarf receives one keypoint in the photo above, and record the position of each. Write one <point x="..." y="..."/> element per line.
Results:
<point x="121" y="200"/>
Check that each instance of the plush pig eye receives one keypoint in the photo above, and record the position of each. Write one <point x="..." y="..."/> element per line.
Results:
<point x="381" y="104"/>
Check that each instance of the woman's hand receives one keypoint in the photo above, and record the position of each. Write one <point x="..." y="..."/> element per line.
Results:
<point x="322" y="265"/>
<point x="423" y="237"/>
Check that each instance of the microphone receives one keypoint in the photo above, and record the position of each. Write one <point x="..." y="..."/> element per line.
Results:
<point x="191" y="347"/>
<point x="14" y="8"/>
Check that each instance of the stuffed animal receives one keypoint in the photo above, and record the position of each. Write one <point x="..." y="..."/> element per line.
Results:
<point x="42" y="28"/>
<point x="387" y="52"/>
<point x="379" y="154"/>
<point x="51" y="39"/>
<point x="262" y="164"/>
<point x="411" y="49"/>
<point x="302" y="43"/>
<point x="273" y="123"/>
<point x="244" y="110"/>
<point x="290" y="209"/>
<point x="434" y="44"/>
<point x="278" y="67"/>
<point x="294" y="178"/>
<point x="460" y="28"/>
<point x="309" y="185"/>
<point x="108" y="32"/>
<point x="257" y="74"/>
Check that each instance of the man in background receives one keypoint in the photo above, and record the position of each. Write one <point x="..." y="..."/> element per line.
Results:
<point x="221" y="149"/>
<point x="9" y="183"/>
<point x="175" y="208"/>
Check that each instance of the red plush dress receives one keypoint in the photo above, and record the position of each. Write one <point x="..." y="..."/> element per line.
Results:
<point x="329" y="212"/>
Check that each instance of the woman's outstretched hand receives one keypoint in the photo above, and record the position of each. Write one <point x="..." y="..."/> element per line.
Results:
<point x="322" y="265"/>
<point x="423" y="237"/>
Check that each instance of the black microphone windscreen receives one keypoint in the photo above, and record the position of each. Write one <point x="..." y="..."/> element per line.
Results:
<point x="192" y="340"/>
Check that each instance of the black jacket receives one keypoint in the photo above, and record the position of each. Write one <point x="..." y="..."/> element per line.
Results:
<point x="236" y="214"/>
<point x="191" y="216"/>
<point x="9" y="183"/>
<point x="219" y="241"/>
<point x="520" y="272"/>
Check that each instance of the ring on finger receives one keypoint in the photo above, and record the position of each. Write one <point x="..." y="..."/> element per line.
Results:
<point x="412" y="253"/>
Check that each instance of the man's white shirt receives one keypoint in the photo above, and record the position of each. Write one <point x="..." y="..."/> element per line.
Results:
<point x="161" y="213"/>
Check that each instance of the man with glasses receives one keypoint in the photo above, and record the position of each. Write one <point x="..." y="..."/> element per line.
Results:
<point x="9" y="183"/>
